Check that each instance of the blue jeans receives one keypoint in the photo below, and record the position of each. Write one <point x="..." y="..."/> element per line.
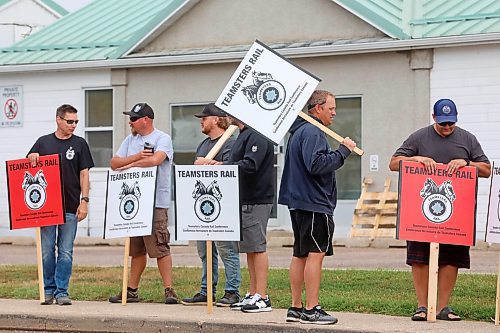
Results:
<point x="230" y="256"/>
<point x="57" y="272"/>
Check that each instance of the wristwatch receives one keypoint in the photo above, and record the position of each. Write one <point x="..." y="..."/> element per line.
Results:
<point x="86" y="199"/>
<point x="467" y="162"/>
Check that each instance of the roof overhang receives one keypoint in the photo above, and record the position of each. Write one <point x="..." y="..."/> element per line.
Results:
<point x="235" y="56"/>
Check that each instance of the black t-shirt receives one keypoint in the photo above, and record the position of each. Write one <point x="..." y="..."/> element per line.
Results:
<point x="254" y="155"/>
<point x="206" y="145"/>
<point x="75" y="156"/>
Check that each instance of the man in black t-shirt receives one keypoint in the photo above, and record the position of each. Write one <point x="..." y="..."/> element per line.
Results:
<point x="441" y="142"/>
<point x="76" y="161"/>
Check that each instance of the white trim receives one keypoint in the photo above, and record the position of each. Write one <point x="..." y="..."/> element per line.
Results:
<point x="299" y="52"/>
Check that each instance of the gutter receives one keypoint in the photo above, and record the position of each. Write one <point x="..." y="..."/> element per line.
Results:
<point x="236" y="56"/>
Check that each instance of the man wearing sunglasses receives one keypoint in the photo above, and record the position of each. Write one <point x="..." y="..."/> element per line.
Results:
<point x="441" y="142"/>
<point x="76" y="161"/>
<point x="147" y="146"/>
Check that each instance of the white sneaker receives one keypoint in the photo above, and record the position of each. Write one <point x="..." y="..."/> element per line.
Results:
<point x="240" y="304"/>
<point x="257" y="304"/>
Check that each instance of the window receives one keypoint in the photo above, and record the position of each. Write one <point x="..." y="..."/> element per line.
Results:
<point x="99" y="125"/>
<point x="348" y="123"/>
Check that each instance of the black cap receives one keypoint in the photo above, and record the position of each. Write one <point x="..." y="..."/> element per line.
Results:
<point x="211" y="110"/>
<point x="141" y="110"/>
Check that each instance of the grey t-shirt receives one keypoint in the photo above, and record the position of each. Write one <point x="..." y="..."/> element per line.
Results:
<point x="161" y="142"/>
<point x="206" y="145"/>
<point x="428" y="143"/>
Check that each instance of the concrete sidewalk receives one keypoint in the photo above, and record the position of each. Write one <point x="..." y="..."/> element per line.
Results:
<point x="147" y="317"/>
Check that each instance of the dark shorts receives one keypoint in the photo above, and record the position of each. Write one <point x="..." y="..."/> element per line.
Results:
<point x="454" y="255"/>
<point x="155" y="245"/>
<point x="312" y="232"/>
<point x="254" y="220"/>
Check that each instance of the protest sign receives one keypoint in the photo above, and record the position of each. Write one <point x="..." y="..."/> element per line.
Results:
<point x="267" y="92"/>
<point x="130" y="202"/>
<point x="35" y="193"/>
<point x="437" y="207"/>
<point x="207" y="205"/>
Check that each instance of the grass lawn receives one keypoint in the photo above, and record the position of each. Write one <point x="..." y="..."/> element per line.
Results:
<point x="366" y="291"/>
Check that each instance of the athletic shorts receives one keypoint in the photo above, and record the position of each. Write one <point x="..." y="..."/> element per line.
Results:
<point x="454" y="255"/>
<point x="312" y="232"/>
<point x="155" y="245"/>
<point x="254" y="220"/>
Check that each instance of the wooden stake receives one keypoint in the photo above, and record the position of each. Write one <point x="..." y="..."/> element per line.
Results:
<point x="215" y="149"/>
<point x="433" y="281"/>
<point x="497" y="305"/>
<point x="210" y="305"/>
<point x="40" y="265"/>
<point x="327" y="130"/>
<point x="125" y="271"/>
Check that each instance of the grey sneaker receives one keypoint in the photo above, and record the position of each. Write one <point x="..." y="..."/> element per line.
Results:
<point x="317" y="316"/>
<point x="257" y="304"/>
<point x="132" y="297"/>
<point x="230" y="297"/>
<point x="170" y="296"/>
<point x="241" y="303"/>
<point x="293" y="314"/>
<point x="197" y="299"/>
<point x="63" y="300"/>
<point x="49" y="299"/>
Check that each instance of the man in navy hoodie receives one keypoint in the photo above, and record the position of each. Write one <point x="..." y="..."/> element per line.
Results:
<point x="309" y="190"/>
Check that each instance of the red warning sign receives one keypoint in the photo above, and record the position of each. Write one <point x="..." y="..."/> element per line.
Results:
<point x="437" y="207"/>
<point x="11" y="108"/>
<point x="35" y="193"/>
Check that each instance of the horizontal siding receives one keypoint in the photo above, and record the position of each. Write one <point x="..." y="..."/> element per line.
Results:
<point x="42" y="95"/>
<point x="471" y="77"/>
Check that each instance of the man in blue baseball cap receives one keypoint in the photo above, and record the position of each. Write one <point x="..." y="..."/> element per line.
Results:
<point x="441" y="142"/>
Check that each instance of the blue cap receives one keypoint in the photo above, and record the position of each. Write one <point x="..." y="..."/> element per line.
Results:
<point x="445" y="110"/>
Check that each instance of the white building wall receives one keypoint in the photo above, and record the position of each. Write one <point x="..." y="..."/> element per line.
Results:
<point x="29" y="17"/>
<point x="43" y="93"/>
<point x="470" y="76"/>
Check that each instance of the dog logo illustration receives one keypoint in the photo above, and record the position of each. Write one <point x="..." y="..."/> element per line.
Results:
<point x="129" y="204"/>
<point x="207" y="205"/>
<point x="438" y="201"/>
<point x="265" y="91"/>
<point x="34" y="189"/>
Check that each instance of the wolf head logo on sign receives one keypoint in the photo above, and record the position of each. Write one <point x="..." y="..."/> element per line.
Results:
<point x="206" y="205"/>
<point x="438" y="201"/>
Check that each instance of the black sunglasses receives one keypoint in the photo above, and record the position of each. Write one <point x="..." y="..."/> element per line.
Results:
<point x="446" y="123"/>
<point x="134" y="119"/>
<point x="70" y="121"/>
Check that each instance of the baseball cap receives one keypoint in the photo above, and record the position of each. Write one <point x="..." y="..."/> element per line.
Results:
<point x="445" y="110"/>
<point x="211" y="110"/>
<point x="141" y="110"/>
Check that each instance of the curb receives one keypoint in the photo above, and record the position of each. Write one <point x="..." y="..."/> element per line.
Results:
<point x="151" y="325"/>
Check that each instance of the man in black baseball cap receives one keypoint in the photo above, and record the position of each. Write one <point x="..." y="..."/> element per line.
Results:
<point x="141" y="110"/>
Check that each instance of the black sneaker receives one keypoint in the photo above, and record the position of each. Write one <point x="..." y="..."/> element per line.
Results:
<point x="49" y="299"/>
<point x="257" y="304"/>
<point x="293" y="314"/>
<point x="171" y="296"/>
<point x="317" y="316"/>
<point x="237" y="306"/>
<point x="230" y="297"/>
<point x="197" y="299"/>
<point x="132" y="297"/>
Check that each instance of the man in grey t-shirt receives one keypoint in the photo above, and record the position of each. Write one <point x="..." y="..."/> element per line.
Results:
<point x="441" y="142"/>
<point x="147" y="146"/>
<point x="213" y="123"/>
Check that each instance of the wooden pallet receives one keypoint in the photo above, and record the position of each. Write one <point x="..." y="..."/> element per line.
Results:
<point x="375" y="213"/>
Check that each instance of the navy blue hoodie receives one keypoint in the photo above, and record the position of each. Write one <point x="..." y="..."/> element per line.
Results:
<point x="308" y="180"/>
